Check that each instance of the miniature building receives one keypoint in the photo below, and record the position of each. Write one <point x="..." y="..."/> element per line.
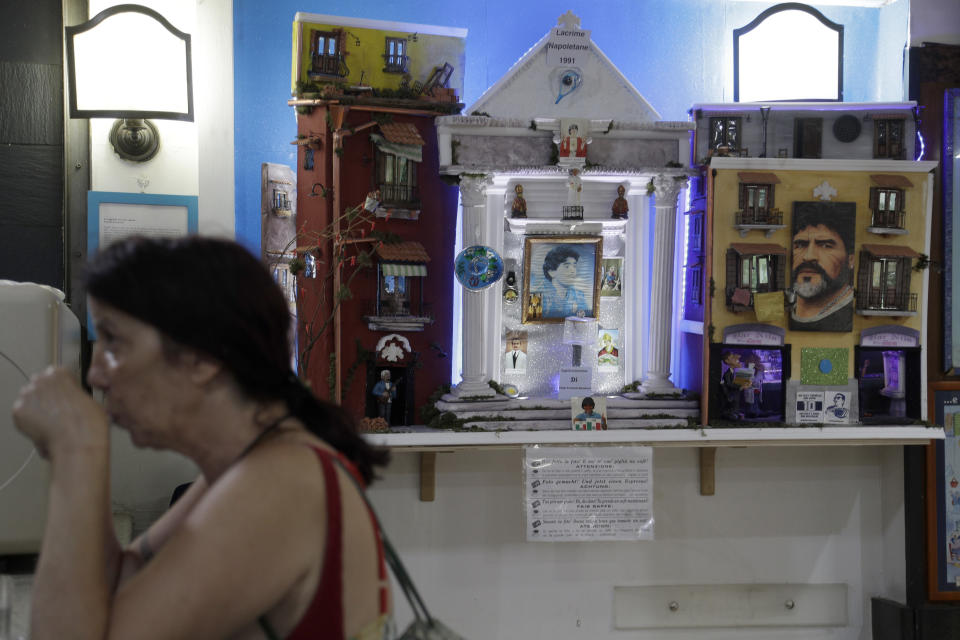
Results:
<point x="563" y="162"/>
<point x="818" y="219"/>
<point x="373" y="210"/>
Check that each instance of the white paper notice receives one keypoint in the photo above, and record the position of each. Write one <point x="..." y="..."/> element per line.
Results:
<point x="589" y="493"/>
<point x="120" y="220"/>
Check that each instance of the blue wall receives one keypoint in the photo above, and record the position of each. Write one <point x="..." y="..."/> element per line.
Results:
<point x="676" y="52"/>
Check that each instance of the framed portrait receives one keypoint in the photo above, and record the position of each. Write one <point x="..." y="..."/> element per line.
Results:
<point x="821" y="270"/>
<point x="561" y="277"/>
<point x="515" y="353"/>
<point x="611" y="283"/>
<point x="943" y="494"/>
<point x="608" y="356"/>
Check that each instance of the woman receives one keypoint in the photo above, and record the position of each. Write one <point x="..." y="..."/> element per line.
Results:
<point x="192" y="355"/>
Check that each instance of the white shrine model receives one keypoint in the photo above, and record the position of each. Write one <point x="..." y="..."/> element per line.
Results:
<point x="569" y="174"/>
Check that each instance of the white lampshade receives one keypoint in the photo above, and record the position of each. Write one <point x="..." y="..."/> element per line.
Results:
<point x="128" y="61"/>
<point x="579" y="331"/>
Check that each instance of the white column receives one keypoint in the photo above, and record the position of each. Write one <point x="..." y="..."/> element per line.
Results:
<point x="657" y="379"/>
<point x="475" y="380"/>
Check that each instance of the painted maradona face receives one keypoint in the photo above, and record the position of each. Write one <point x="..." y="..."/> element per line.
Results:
<point x="565" y="273"/>
<point x="821" y="263"/>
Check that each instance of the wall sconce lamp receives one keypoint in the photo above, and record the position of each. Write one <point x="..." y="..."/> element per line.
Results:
<point x="128" y="62"/>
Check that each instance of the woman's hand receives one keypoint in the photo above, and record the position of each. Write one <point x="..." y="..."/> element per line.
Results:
<point x="55" y="413"/>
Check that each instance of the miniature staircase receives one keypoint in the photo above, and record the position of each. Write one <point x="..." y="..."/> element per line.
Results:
<point x="543" y="414"/>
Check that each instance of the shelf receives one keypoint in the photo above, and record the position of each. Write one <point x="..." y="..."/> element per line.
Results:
<point x="587" y="226"/>
<point x="429" y="442"/>
<point x="424" y="439"/>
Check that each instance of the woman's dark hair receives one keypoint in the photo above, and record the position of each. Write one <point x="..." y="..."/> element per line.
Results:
<point x="214" y="296"/>
<point x="557" y="256"/>
<point x="587" y="401"/>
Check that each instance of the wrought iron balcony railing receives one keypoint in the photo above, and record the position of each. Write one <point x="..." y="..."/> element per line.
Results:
<point x="883" y="300"/>
<point x="888" y="219"/>
<point x="399" y="194"/>
<point x="769" y="217"/>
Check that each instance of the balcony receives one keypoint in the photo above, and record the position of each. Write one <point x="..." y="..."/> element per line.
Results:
<point x="327" y="65"/>
<point x="764" y="220"/>
<point x="888" y="223"/>
<point x="881" y="302"/>
<point x="400" y="195"/>
<point x="395" y="63"/>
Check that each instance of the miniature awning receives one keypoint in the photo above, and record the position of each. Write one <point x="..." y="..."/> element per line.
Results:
<point x="401" y="133"/>
<point x="412" y="152"/>
<point x="890" y="251"/>
<point x="403" y="259"/>
<point x="751" y="249"/>
<point x="758" y="177"/>
<point x="891" y="181"/>
<point x="401" y="139"/>
<point x="397" y="269"/>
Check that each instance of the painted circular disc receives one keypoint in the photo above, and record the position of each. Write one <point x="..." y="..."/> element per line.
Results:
<point x="478" y="267"/>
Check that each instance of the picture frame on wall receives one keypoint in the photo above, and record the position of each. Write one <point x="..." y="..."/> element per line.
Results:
<point x="561" y="277"/>
<point x="943" y="494"/>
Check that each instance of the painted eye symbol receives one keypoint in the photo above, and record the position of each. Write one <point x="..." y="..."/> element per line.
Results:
<point x="569" y="82"/>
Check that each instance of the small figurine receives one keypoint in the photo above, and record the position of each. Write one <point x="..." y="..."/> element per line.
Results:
<point x="620" y="208"/>
<point x="385" y="392"/>
<point x="519" y="207"/>
<point x="372" y="201"/>
<point x="574" y="187"/>
<point x="573" y="144"/>
<point x="731" y="388"/>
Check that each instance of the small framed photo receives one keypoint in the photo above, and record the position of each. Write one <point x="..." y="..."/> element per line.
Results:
<point x="515" y="353"/>
<point x="561" y="277"/>
<point x="589" y="413"/>
<point x="608" y="356"/>
<point x="611" y="280"/>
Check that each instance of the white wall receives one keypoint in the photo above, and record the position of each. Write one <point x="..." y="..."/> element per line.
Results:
<point x="780" y="515"/>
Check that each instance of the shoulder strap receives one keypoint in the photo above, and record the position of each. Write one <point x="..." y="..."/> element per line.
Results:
<point x="419" y="609"/>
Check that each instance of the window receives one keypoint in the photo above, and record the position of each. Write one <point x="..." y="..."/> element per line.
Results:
<point x="807" y="135"/>
<point x="395" y="55"/>
<point x="394" y="296"/>
<point x="725" y="134"/>
<point x="696" y="232"/>
<point x="883" y="281"/>
<point x="327" y="54"/>
<point x="756" y="272"/>
<point x="753" y="269"/>
<point x="695" y="291"/>
<point x="397" y="179"/>
<point x="755" y="202"/>
<point x="887" y="207"/>
<point x="888" y="138"/>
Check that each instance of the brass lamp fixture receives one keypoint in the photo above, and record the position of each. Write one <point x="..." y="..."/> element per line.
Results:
<point x="128" y="62"/>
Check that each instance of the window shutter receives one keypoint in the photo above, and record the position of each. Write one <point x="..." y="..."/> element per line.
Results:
<point x="874" y="197"/>
<point x="863" y="281"/>
<point x="770" y="189"/>
<point x="733" y="266"/>
<point x="780" y="264"/>
<point x="903" y="287"/>
<point x="901" y="195"/>
<point x="743" y="200"/>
